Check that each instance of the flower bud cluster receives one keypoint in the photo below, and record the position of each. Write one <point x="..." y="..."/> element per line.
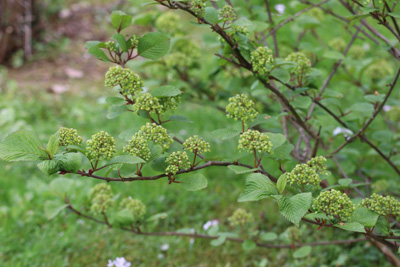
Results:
<point x="379" y="69"/>
<point x="169" y="103"/>
<point x="101" y="198"/>
<point x="185" y="54"/>
<point x="253" y="139"/>
<point x="148" y="103"/>
<point x="338" y="44"/>
<point x="384" y="206"/>
<point x="102" y="144"/>
<point x="69" y="136"/>
<point x="169" y="22"/>
<point x="177" y="161"/>
<point x="260" y="58"/>
<point x="227" y="13"/>
<point x="138" y="146"/>
<point x="157" y="134"/>
<point x="198" y="7"/>
<point x="241" y="217"/>
<point x="240" y="107"/>
<point x="129" y="82"/>
<point x="357" y="51"/>
<point x="334" y="203"/>
<point x="134" y="41"/>
<point x="308" y="173"/>
<point x="196" y="145"/>
<point x="135" y="206"/>
<point x="303" y="64"/>
<point x="110" y="45"/>
<point x="235" y="32"/>
<point x="316" y="13"/>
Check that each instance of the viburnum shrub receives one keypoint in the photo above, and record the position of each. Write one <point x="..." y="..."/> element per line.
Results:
<point x="312" y="110"/>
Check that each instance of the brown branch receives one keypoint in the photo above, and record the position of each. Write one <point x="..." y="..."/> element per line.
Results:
<point x="271" y="21"/>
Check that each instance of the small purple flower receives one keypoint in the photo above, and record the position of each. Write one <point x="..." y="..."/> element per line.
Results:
<point x="210" y="224"/>
<point x="119" y="262"/>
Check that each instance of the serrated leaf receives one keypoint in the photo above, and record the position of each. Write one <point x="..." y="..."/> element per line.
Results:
<point x="302" y="102"/>
<point x="70" y="162"/>
<point x="153" y="45"/>
<point x="302" y="252"/>
<point x="126" y="159"/>
<point x="49" y="167"/>
<point x="281" y="74"/>
<point x="240" y="169"/>
<point x="61" y="186"/>
<point x="165" y="91"/>
<point x="180" y="118"/>
<point x="22" y="146"/>
<point x="155" y="152"/>
<point x="381" y="226"/>
<point x="98" y="53"/>
<point x="351" y="226"/>
<point x="159" y="164"/>
<point x="121" y="41"/>
<point x="294" y="208"/>
<point x="345" y="182"/>
<point x="211" y="15"/>
<point x="115" y="111"/>
<point x="52" y="208"/>
<point x="193" y="182"/>
<point x="249" y="245"/>
<point x="365" y="217"/>
<point x="261" y="118"/>
<point x="224" y="134"/>
<point x="269" y="236"/>
<point x="257" y="187"/>
<point x="115" y="101"/>
<point x="52" y="144"/>
<point x="120" y="20"/>
<point x="219" y="241"/>
<point x="281" y="184"/>
<point x="282" y="152"/>
<point x="276" y="139"/>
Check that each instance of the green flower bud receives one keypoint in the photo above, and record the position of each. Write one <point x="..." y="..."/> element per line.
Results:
<point x="227" y="13"/>
<point x="69" y="136"/>
<point x="240" y="107"/>
<point x="138" y="146"/>
<point x="262" y="59"/>
<point x="303" y="64"/>
<point x="135" y="206"/>
<point x="169" y="103"/>
<point x="379" y="69"/>
<point x="196" y="145"/>
<point x="110" y="45"/>
<point x="380" y="186"/>
<point x="129" y="82"/>
<point x="357" y="51"/>
<point x="169" y="22"/>
<point x="253" y="139"/>
<point x="316" y="13"/>
<point x="384" y="206"/>
<point x="134" y="40"/>
<point x="334" y="203"/>
<point x="236" y="32"/>
<point x="101" y="198"/>
<point x="178" y="160"/>
<point x="157" y="134"/>
<point x="338" y="44"/>
<point x="101" y="145"/>
<point x="185" y="54"/>
<point x="146" y="102"/>
<point x="240" y="217"/>
<point x="198" y="7"/>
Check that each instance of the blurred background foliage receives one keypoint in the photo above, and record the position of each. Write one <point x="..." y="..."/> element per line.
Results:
<point x="48" y="81"/>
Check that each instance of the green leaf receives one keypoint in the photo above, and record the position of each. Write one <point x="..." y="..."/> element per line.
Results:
<point x="121" y="41"/>
<point x="313" y="216"/>
<point x="276" y="139"/>
<point x="351" y="226"/>
<point x="49" y="167"/>
<point x="281" y="74"/>
<point x="365" y="217"/>
<point x="302" y="252"/>
<point x="70" y="162"/>
<point x="269" y="236"/>
<point x="157" y="217"/>
<point x="180" y="118"/>
<point x="224" y="134"/>
<point x="120" y="20"/>
<point x="302" y="102"/>
<point x="126" y="159"/>
<point x="282" y="152"/>
<point x="193" y="182"/>
<point x="249" y="245"/>
<point x="159" y="164"/>
<point x="345" y="182"/>
<point x="53" y="207"/>
<point x="219" y="241"/>
<point x="211" y="15"/>
<point x="52" y="145"/>
<point x="115" y="111"/>
<point x="294" y="208"/>
<point x="395" y="14"/>
<point x="89" y="44"/>
<point x="333" y="55"/>
<point x="382" y="227"/>
<point x="165" y="91"/>
<point x="22" y="146"/>
<point x="257" y="187"/>
<point x="122" y="217"/>
<point x="61" y="186"/>
<point x="240" y="170"/>
<point x="98" y="53"/>
<point x="281" y="184"/>
<point x="375" y="98"/>
<point x="115" y="101"/>
<point x="153" y="45"/>
<point x="155" y="152"/>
